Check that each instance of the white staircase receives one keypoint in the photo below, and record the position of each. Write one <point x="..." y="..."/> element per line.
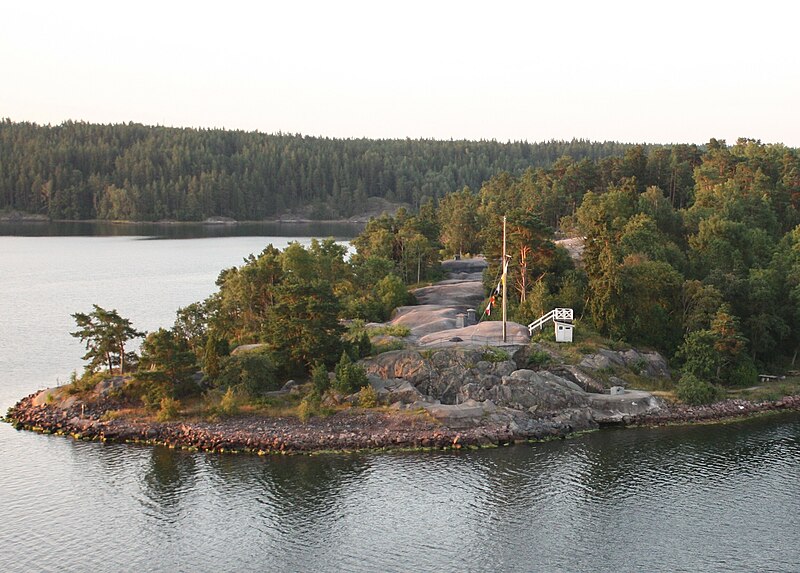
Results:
<point x="562" y="321"/>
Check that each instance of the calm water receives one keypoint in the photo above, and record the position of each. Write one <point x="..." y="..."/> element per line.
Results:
<point x="724" y="498"/>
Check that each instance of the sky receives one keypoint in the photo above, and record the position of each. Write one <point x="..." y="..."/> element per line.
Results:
<point x="638" y="72"/>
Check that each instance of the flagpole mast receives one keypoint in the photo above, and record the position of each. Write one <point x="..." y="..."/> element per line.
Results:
<point x="505" y="268"/>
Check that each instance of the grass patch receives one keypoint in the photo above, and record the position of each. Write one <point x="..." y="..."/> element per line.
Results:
<point x="387" y="346"/>
<point x="769" y="391"/>
<point x="398" y="330"/>
<point x="494" y="355"/>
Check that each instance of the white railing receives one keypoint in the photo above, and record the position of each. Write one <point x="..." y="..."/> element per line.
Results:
<point x="556" y="315"/>
<point x="540" y="322"/>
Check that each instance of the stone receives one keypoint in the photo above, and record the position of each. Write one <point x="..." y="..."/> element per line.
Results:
<point x="608" y="409"/>
<point x="395" y="390"/>
<point x="289" y="385"/>
<point x="109" y="385"/>
<point x="579" y="377"/>
<point x="469" y="414"/>
<point x="616" y="390"/>
<point x="406" y="364"/>
<point x="247" y="348"/>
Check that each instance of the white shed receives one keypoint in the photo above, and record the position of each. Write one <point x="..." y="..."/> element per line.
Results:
<point x="563" y="331"/>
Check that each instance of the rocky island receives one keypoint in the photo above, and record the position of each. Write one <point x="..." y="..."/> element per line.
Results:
<point x="451" y="385"/>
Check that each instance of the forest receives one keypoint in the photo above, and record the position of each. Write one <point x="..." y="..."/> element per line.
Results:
<point x="139" y="173"/>
<point x="692" y="251"/>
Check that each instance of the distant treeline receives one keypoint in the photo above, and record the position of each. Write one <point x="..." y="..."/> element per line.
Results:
<point x="135" y="172"/>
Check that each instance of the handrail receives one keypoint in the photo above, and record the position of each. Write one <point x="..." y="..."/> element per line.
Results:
<point x="540" y="322"/>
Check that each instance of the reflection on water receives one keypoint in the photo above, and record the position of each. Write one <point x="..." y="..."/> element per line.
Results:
<point x="169" y="476"/>
<point x="706" y="498"/>
<point x="711" y="498"/>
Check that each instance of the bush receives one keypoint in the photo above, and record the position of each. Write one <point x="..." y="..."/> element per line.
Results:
<point x="229" y="403"/>
<point x="349" y="377"/>
<point x="399" y="330"/>
<point x="538" y="358"/>
<point x="150" y="392"/>
<point x="391" y="291"/>
<point x="743" y="374"/>
<point x="367" y="397"/>
<point x="320" y="379"/>
<point x="387" y="346"/>
<point x="85" y="383"/>
<point x="168" y="410"/>
<point x="694" y="391"/>
<point x="308" y="407"/>
<point x="252" y="372"/>
<point x="495" y="355"/>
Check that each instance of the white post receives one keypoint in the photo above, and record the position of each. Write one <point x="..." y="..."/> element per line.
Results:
<point x="505" y="266"/>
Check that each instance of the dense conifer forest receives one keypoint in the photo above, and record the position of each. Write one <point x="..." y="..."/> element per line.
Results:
<point x="135" y="172"/>
<point x="691" y="250"/>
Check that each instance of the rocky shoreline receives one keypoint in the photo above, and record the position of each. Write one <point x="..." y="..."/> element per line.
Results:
<point x="347" y="430"/>
<point x="451" y="386"/>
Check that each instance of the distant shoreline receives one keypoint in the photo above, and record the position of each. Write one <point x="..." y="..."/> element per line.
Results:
<point x="16" y="217"/>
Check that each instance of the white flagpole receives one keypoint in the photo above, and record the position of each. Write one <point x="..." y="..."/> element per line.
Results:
<point x="505" y="267"/>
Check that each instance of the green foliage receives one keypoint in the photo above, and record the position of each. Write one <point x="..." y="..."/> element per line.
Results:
<point x="168" y="409"/>
<point x="250" y="372"/>
<point x="388" y="346"/>
<point x="105" y="334"/>
<point x="458" y="221"/>
<point x="349" y="377"/>
<point x="743" y="373"/>
<point x="672" y="234"/>
<point x="85" y="383"/>
<point x="407" y="243"/>
<point x="320" y="379"/>
<point x="166" y="357"/>
<point x="538" y="359"/>
<point x="696" y="391"/>
<point x="149" y="392"/>
<point x="699" y="356"/>
<point x="302" y="326"/>
<point x="308" y="407"/>
<point x="398" y="330"/>
<point x="494" y="355"/>
<point x="229" y="403"/>
<point x="367" y="397"/>
<point x="77" y="170"/>
<point x="391" y="292"/>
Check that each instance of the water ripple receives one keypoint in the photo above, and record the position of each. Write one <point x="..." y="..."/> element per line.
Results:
<point x="718" y="498"/>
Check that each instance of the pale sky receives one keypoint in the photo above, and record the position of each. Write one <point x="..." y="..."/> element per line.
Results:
<point x="639" y="71"/>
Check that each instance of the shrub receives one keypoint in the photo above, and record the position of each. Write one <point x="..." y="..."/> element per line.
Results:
<point x="638" y="366"/>
<point x="253" y="372"/>
<point x="229" y="403"/>
<point x="692" y="390"/>
<point x="320" y="379"/>
<point x="391" y="291"/>
<point x="387" y="346"/>
<point x="85" y="383"/>
<point x="349" y="377"/>
<point x="538" y="358"/>
<point x="495" y="355"/>
<point x="150" y="392"/>
<point x="744" y="373"/>
<point x="168" y="410"/>
<point x="399" y="330"/>
<point x="308" y="407"/>
<point x="367" y="397"/>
